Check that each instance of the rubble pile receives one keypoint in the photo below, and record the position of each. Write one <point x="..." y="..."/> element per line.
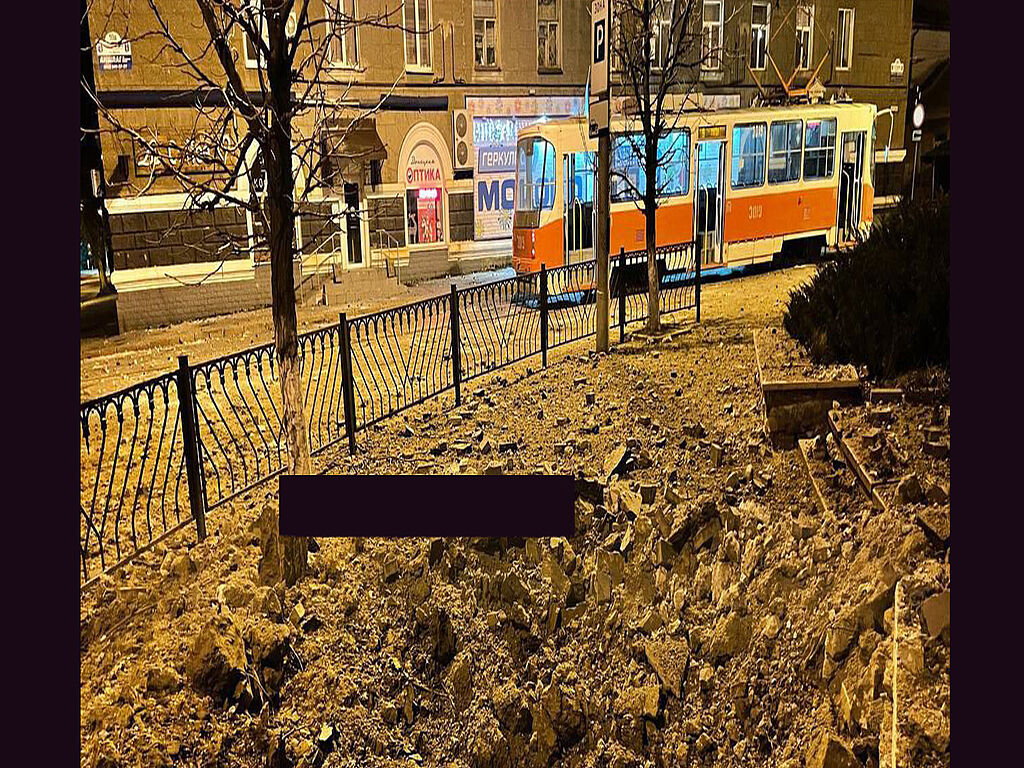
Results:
<point x="706" y="612"/>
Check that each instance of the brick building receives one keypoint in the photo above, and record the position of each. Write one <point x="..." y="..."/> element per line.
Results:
<point x="454" y="81"/>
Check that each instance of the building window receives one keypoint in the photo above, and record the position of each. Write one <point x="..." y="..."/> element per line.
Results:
<point x="661" y="37"/>
<point x="748" y="151"/>
<point x="548" y="32"/>
<point x="485" y="34"/>
<point x="760" y="27"/>
<point x="785" y="144"/>
<point x="416" y="22"/>
<point x="844" y="43"/>
<point x="253" y="13"/>
<point x="344" y="51"/>
<point x="711" y="35"/>
<point x="819" y="149"/>
<point x="804" y="35"/>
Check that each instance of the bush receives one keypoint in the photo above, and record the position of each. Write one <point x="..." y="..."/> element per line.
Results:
<point x="885" y="303"/>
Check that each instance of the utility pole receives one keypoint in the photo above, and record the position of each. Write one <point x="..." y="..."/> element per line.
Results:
<point x="601" y="243"/>
<point x="599" y="124"/>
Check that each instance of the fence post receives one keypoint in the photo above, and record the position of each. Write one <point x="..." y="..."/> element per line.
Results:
<point x="348" y="390"/>
<point x="622" y="293"/>
<point x="544" y="315"/>
<point x="190" y="438"/>
<point x="697" y="278"/>
<point x="453" y="314"/>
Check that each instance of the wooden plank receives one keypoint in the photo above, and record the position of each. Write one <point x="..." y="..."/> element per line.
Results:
<point x="805" y="448"/>
<point x="810" y="384"/>
<point x="865" y="480"/>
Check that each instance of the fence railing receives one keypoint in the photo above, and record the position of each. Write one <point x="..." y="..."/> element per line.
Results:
<point x="166" y="451"/>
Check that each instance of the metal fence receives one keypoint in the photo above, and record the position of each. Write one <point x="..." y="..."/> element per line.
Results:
<point x="162" y="453"/>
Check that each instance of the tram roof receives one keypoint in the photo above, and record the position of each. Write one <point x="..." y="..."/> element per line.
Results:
<point x="710" y="114"/>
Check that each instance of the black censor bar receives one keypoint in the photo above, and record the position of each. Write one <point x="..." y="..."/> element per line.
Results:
<point x="427" y="505"/>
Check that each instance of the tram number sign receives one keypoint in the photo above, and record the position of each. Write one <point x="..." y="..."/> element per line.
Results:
<point x="710" y="132"/>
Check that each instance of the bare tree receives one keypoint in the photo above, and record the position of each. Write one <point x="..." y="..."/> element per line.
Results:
<point x="286" y="129"/>
<point x="658" y="52"/>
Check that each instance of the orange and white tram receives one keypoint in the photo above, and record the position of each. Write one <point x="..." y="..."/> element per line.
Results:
<point x="744" y="184"/>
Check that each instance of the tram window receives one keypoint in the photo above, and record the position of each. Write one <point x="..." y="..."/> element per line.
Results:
<point x="748" y="155"/>
<point x="674" y="164"/>
<point x="629" y="178"/>
<point x="627" y="173"/>
<point x="535" y="174"/>
<point x="784" y="154"/>
<point x="819" y="149"/>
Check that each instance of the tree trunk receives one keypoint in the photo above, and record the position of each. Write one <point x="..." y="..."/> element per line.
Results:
<point x="277" y="157"/>
<point x="650" y="209"/>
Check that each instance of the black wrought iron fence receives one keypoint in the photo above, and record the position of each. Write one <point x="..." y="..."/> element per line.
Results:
<point x="132" y="472"/>
<point x="164" y="452"/>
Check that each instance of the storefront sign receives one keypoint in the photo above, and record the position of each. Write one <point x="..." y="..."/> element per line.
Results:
<point x="424" y="183"/>
<point x="496" y="124"/>
<point x="114" y="53"/>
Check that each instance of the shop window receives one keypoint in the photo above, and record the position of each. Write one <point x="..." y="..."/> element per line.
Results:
<point x="485" y="34"/>
<point x="760" y="31"/>
<point x="425" y="216"/>
<point x="844" y="40"/>
<point x="548" y="34"/>
<point x="748" y="155"/>
<point x="785" y="143"/>
<point x="819" y="149"/>
<point x="416" y="22"/>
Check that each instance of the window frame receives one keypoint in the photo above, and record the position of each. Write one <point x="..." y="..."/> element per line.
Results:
<point x="685" y="190"/>
<point x="809" y="7"/>
<point x="339" y="36"/>
<point x="733" y="156"/>
<point x="846" y="51"/>
<point x="704" y="25"/>
<point x="494" y="23"/>
<point x="786" y="151"/>
<point x="766" y="27"/>
<point x="557" y="21"/>
<point x="661" y="29"/>
<point x="254" y="62"/>
<point x="417" y="67"/>
<point x="829" y="151"/>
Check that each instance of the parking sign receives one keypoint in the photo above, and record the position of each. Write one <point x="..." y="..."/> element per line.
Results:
<point x="599" y="42"/>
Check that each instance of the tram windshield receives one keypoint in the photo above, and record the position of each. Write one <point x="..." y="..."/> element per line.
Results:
<point x="535" y="174"/>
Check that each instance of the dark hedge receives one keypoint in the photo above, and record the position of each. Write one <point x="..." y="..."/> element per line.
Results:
<point x="885" y="303"/>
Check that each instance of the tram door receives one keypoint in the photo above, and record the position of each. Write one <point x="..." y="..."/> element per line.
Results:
<point x="710" y="191"/>
<point x="851" y="185"/>
<point x="578" y="211"/>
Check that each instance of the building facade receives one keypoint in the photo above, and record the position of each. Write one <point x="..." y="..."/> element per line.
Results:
<point x="448" y="83"/>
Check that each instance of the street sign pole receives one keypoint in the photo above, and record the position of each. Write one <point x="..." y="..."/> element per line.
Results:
<point x="917" y="119"/>
<point x="599" y="125"/>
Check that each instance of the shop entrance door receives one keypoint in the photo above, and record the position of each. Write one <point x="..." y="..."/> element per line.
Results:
<point x="353" y="226"/>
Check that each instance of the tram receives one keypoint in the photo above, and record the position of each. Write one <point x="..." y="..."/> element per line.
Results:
<point x="739" y="185"/>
